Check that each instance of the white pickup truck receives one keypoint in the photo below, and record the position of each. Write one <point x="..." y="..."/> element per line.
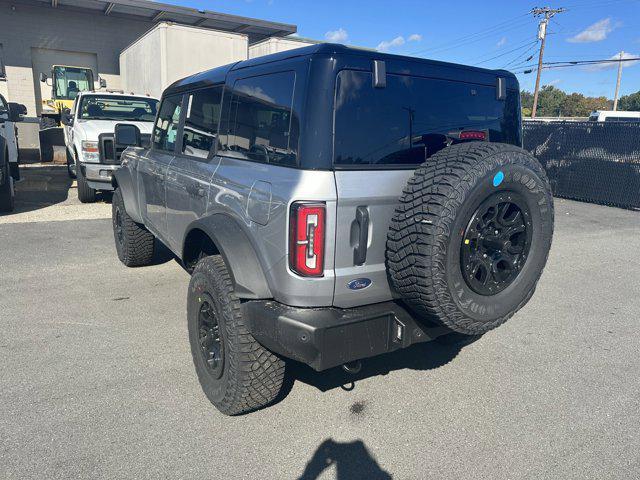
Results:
<point x="92" y="156"/>
<point x="10" y="113"/>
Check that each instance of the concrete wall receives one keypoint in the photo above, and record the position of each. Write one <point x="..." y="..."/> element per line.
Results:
<point x="25" y="28"/>
<point x="170" y="52"/>
<point x="275" y="45"/>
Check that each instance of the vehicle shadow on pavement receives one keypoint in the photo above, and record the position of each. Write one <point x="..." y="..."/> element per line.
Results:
<point x="421" y="356"/>
<point x="41" y="187"/>
<point x="352" y="461"/>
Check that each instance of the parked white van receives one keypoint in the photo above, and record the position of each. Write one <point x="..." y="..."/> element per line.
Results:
<point x="614" y="116"/>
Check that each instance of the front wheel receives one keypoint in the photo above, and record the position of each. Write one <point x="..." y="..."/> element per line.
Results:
<point x="471" y="236"/>
<point x="236" y="373"/>
<point x="86" y="194"/>
<point x="134" y="243"/>
<point x="71" y="165"/>
<point x="6" y="192"/>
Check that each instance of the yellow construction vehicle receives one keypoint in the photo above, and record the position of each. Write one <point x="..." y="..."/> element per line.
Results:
<point x="65" y="82"/>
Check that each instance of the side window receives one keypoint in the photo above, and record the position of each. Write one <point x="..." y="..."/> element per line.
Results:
<point x="201" y="122"/>
<point x="165" y="131"/>
<point x="262" y="124"/>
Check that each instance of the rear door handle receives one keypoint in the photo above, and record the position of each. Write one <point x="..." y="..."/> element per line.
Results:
<point x="360" y="252"/>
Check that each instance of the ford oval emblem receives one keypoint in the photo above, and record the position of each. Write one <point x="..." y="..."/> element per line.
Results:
<point x="359" y="283"/>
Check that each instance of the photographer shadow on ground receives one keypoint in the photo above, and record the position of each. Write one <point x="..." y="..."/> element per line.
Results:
<point x="352" y="461"/>
<point x="422" y="356"/>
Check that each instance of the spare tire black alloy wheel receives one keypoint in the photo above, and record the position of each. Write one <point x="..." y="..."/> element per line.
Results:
<point x="496" y="243"/>
<point x="211" y="345"/>
<point x="471" y="235"/>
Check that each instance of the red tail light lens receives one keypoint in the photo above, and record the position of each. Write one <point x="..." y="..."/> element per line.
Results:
<point x="473" y="135"/>
<point x="306" y="250"/>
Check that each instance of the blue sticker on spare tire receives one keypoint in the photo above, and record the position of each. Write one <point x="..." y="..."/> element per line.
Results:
<point x="359" y="283"/>
<point x="498" y="178"/>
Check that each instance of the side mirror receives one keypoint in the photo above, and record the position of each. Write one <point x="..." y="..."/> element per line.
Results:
<point x="102" y="82"/>
<point x="127" y="135"/>
<point x="66" y="117"/>
<point x="16" y="111"/>
<point x="43" y="77"/>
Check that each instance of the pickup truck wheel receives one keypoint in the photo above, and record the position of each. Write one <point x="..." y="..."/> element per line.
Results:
<point x="471" y="236"/>
<point x="86" y="194"/>
<point x="237" y="374"/>
<point x="6" y="188"/>
<point x="134" y="243"/>
<point x="71" y="165"/>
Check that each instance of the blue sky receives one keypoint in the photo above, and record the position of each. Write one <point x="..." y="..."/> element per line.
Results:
<point x="471" y="32"/>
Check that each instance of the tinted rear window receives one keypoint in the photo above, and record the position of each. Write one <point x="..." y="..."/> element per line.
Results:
<point x="413" y="117"/>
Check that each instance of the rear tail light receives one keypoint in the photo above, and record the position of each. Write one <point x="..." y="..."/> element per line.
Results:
<point x="306" y="249"/>
<point x="473" y="135"/>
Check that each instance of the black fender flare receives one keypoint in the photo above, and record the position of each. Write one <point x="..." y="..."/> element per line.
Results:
<point x="123" y="180"/>
<point x="238" y="253"/>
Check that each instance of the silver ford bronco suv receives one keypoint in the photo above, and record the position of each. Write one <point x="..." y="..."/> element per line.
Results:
<point x="334" y="204"/>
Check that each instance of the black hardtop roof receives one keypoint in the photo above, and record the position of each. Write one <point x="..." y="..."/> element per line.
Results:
<point x="218" y="74"/>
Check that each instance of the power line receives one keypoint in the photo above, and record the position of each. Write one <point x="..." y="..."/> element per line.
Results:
<point x="517" y="61"/>
<point x="498" y="28"/>
<point x="528" y="44"/>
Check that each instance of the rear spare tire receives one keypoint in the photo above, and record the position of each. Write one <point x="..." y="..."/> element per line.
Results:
<point x="471" y="235"/>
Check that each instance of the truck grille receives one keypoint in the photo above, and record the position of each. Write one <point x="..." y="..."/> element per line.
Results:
<point x="109" y="154"/>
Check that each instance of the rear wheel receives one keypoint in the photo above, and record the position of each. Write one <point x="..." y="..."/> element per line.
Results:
<point x="236" y="373"/>
<point x="134" y="243"/>
<point x="86" y="194"/>
<point x="471" y="236"/>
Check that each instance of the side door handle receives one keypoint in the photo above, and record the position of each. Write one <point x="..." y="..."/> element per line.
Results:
<point x="360" y="252"/>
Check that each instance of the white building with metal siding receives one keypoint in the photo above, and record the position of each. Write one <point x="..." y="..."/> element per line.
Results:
<point x="35" y="34"/>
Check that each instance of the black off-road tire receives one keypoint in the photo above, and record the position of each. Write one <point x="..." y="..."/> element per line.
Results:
<point x="70" y="162"/>
<point x="425" y="239"/>
<point x="86" y="194"/>
<point x="6" y="185"/>
<point x="134" y="243"/>
<point x="248" y="376"/>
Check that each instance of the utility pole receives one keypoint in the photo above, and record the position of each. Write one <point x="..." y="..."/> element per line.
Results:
<point x="547" y="13"/>
<point x="615" y="99"/>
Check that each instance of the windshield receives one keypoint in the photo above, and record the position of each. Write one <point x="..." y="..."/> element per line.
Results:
<point x="69" y="81"/>
<point x="95" y="107"/>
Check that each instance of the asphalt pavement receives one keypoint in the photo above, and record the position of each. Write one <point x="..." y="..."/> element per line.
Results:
<point x="96" y="377"/>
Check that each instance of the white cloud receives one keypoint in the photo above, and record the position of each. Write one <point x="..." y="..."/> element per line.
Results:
<point x="611" y="65"/>
<point x="384" y="46"/>
<point x="553" y="82"/>
<point x="502" y="42"/>
<point x="414" y="37"/>
<point x="594" y="33"/>
<point x="337" y="36"/>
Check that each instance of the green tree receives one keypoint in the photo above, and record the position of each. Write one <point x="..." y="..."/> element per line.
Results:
<point x="630" y="102"/>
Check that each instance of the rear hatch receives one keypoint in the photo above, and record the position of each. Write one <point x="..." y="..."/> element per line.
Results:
<point x="380" y="136"/>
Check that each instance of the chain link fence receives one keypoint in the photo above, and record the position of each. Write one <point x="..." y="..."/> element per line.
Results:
<point x="597" y="162"/>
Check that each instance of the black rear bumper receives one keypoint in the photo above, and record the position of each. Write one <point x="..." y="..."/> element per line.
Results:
<point x="327" y="337"/>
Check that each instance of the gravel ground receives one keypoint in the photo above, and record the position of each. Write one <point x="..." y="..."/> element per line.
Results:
<point x="96" y="379"/>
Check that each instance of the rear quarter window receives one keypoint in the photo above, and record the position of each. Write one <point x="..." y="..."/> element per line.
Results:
<point x="414" y="117"/>
<point x="262" y="126"/>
